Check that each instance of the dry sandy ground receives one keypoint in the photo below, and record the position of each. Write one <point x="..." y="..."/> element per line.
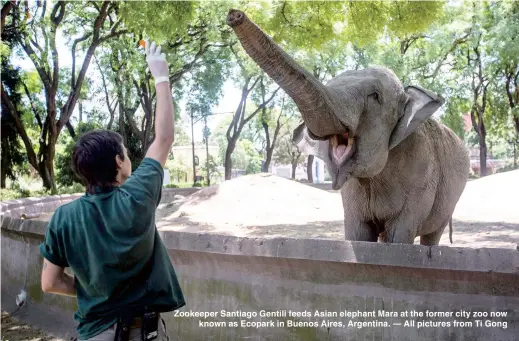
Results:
<point x="266" y="206"/>
<point x="14" y="330"/>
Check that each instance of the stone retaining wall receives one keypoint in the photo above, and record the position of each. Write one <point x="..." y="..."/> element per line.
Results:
<point x="34" y="207"/>
<point x="231" y="274"/>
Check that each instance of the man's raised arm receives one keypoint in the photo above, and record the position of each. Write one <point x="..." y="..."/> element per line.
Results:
<point x="164" y="115"/>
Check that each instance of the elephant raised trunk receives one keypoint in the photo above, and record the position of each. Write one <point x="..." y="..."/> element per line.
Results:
<point x="316" y="102"/>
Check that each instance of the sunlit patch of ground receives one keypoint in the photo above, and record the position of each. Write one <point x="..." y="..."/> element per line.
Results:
<point x="14" y="330"/>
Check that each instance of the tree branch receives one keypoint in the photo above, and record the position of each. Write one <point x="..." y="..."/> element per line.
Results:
<point x="68" y="108"/>
<point x="406" y="43"/>
<point x="112" y="113"/>
<point x="33" y="107"/>
<point x="55" y="17"/>
<point x="11" y="109"/>
<point x="44" y="9"/>
<point x="188" y="66"/>
<point x="54" y="51"/>
<point x="105" y="88"/>
<point x="95" y="5"/>
<point x="71" y="129"/>
<point x="441" y="62"/>
<point x="261" y="106"/>
<point x="239" y="111"/>
<point x="111" y="35"/>
<point x="6" y="8"/>
<point x="77" y="41"/>
<point x="36" y="61"/>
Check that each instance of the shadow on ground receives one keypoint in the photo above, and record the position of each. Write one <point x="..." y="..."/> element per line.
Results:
<point x="14" y="330"/>
<point x="465" y="233"/>
<point x="483" y="234"/>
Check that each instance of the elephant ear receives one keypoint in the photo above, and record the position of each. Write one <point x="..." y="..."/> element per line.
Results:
<point x="421" y="104"/>
<point x="308" y="145"/>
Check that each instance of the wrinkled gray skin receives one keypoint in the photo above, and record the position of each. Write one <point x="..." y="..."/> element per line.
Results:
<point x="402" y="172"/>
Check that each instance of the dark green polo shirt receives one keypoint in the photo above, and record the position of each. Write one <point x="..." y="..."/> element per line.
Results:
<point x="110" y="242"/>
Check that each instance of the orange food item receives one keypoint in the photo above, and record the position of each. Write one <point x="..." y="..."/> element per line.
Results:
<point x="142" y="43"/>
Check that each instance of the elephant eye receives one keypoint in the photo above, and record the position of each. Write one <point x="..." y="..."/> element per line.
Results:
<point x="375" y="96"/>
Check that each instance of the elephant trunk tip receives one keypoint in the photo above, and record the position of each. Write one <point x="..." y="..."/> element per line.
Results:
<point x="235" y="17"/>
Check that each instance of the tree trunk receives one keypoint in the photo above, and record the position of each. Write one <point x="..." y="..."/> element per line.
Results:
<point x="3" y="176"/>
<point x="482" y="155"/>
<point x="231" y="145"/>
<point x="239" y="121"/>
<point x="271" y="144"/>
<point x="309" y="169"/>
<point x="228" y="164"/>
<point x="294" y="166"/>
<point x="268" y="159"/>
<point x="80" y="104"/>
<point x="207" y="155"/>
<point x="46" y="172"/>
<point x="515" y="156"/>
<point x="193" y="148"/>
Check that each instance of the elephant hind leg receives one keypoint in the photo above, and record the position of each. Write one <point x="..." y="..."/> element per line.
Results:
<point x="432" y="238"/>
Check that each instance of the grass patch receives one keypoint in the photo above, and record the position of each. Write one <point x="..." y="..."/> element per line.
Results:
<point x="16" y="192"/>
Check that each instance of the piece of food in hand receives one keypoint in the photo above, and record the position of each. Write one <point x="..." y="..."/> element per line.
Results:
<point x="142" y="43"/>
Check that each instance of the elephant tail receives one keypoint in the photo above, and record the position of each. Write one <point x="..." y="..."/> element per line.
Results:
<point x="450" y="229"/>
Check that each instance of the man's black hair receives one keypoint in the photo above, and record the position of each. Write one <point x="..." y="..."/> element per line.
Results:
<point x="93" y="158"/>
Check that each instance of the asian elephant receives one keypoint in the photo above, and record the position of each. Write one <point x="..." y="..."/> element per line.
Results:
<point x="400" y="172"/>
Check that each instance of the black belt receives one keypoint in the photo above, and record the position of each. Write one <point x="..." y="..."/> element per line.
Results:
<point x="136" y="323"/>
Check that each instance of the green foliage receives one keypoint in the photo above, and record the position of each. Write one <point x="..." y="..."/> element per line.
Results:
<point x="160" y="20"/>
<point x="213" y="167"/>
<point x="424" y="42"/>
<point x="286" y="153"/>
<point x="310" y="24"/>
<point x="507" y="168"/>
<point x="177" y="170"/>
<point x="63" y="161"/>
<point x="12" y="155"/>
<point x="17" y="192"/>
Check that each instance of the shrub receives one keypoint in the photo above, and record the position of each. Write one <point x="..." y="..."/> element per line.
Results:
<point x="16" y="192"/>
<point x="507" y="168"/>
<point x="75" y="188"/>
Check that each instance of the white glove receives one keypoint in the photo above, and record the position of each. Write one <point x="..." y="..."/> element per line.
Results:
<point x="157" y="63"/>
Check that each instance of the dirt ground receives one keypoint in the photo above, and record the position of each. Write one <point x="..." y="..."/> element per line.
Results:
<point x="14" y="330"/>
<point x="267" y="206"/>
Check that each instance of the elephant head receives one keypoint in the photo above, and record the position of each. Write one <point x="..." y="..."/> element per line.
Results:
<point x="354" y="120"/>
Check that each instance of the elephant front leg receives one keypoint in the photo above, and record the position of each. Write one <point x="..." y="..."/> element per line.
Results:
<point x="401" y="230"/>
<point x="359" y="231"/>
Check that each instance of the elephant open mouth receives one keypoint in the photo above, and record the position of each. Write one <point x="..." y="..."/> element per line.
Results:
<point x="342" y="147"/>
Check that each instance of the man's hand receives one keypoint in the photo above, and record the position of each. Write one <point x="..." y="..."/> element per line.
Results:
<point x="164" y="118"/>
<point x="54" y="280"/>
<point x="157" y="63"/>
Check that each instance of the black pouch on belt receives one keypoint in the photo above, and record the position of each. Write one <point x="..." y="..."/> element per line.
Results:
<point x="150" y="325"/>
<point x="122" y="333"/>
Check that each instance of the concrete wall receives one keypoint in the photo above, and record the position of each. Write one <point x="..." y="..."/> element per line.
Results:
<point x="249" y="275"/>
